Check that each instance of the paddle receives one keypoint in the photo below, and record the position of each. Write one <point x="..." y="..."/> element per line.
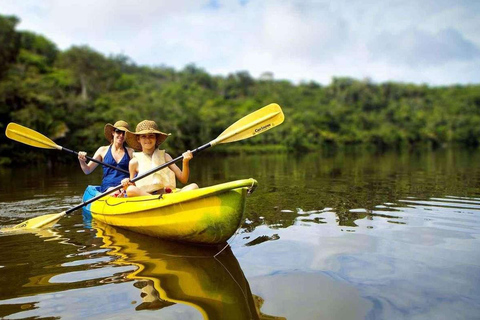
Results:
<point x="251" y="125"/>
<point x="36" y="139"/>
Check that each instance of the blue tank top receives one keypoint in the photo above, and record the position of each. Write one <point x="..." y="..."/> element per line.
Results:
<point x="112" y="177"/>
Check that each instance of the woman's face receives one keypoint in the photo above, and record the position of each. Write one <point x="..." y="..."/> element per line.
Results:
<point x="147" y="141"/>
<point x="118" y="136"/>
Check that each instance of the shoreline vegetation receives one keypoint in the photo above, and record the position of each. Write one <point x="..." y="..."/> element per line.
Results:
<point x="70" y="95"/>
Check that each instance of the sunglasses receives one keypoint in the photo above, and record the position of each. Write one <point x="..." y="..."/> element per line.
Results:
<point x="119" y="131"/>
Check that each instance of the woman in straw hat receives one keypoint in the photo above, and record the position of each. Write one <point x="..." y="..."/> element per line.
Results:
<point x="115" y="154"/>
<point x="146" y="140"/>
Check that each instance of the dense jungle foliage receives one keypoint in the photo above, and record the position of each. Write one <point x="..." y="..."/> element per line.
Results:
<point x="70" y="95"/>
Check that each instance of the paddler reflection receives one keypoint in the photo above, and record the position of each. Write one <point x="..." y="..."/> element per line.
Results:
<point x="172" y="273"/>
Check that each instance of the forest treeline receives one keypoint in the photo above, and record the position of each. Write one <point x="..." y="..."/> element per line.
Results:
<point x="70" y="95"/>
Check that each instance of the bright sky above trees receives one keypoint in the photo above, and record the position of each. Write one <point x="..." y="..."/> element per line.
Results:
<point x="430" y="41"/>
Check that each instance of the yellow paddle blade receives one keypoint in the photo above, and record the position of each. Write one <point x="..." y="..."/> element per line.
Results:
<point x="255" y="123"/>
<point x="28" y="136"/>
<point x="36" y="223"/>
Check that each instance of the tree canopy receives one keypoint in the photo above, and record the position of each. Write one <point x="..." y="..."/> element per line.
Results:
<point x="70" y="95"/>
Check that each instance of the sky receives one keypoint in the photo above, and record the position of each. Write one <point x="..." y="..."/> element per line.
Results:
<point x="433" y="42"/>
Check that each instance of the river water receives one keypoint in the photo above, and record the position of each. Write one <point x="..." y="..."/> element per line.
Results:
<point x="343" y="236"/>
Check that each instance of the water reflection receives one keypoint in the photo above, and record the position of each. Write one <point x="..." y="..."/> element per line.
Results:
<point x="391" y="236"/>
<point x="44" y="271"/>
<point x="170" y="273"/>
<point x="343" y="182"/>
<point x="27" y="264"/>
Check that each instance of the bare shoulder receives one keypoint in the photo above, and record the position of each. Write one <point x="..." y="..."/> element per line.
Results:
<point x="130" y="151"/>
<point x="102" y="151"/>
<point x="168" y="157"/>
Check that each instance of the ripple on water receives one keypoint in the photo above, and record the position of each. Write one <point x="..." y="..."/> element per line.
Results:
<point x="37" y="206"/>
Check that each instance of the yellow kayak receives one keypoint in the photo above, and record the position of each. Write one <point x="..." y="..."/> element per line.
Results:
<point x="209" y="215"/>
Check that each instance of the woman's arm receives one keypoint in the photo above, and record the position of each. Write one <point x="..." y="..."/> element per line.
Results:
<point x="88" y="168"/>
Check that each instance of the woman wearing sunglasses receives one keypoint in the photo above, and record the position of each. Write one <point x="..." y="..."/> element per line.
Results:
<point x="115" y="154"/>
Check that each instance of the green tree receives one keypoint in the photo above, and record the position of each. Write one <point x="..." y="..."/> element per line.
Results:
<point x="9" y="42"/>
<point x="94" y="72"/>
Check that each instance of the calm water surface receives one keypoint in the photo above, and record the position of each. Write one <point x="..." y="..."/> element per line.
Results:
<point x="389" y="236"/>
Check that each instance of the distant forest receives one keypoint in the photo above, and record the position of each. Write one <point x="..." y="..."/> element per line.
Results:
<point x="70" y="95"/>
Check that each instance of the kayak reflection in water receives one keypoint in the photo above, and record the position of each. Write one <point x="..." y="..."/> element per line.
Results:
<point x="150" y="297"/>
<point x="172" y="273"/>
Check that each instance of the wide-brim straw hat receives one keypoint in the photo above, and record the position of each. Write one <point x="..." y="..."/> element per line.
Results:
<point x="109" y="128"/>
<point x="145" y="127"/>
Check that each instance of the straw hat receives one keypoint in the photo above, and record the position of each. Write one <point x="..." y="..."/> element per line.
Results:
<point x="145" y="127"/>
<point x="109" y="128"/>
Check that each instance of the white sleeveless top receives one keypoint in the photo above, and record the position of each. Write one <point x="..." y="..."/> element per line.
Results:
<point x="157" y="180"/>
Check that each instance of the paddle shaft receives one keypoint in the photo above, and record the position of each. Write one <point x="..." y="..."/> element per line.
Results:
<point x="96" y="161"/>
<point x="143" y="175"/>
